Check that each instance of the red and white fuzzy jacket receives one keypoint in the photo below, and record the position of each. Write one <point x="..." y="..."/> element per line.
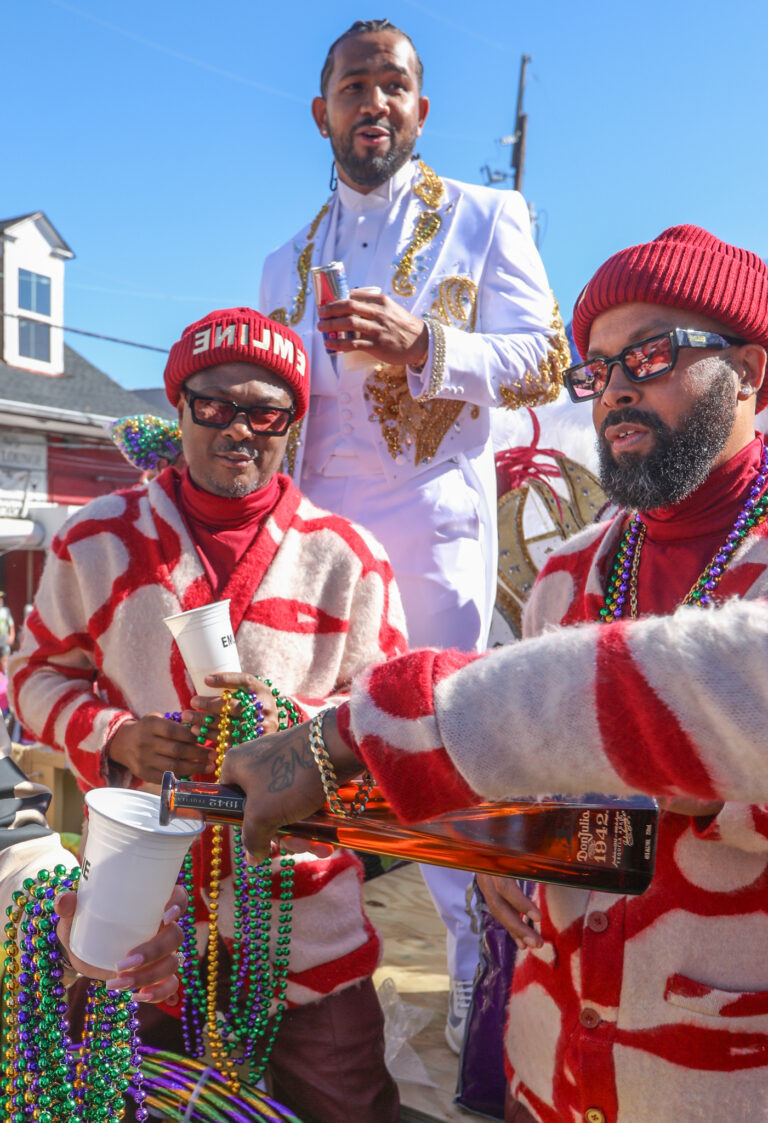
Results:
<point x="650" y="1009"/>
<point x="313" y="603"/>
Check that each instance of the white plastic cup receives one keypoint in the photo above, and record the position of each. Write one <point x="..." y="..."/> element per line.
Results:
<point x="129" y="868"/>
<point x="206" y="641"/>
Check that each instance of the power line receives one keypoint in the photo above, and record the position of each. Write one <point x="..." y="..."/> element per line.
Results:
<point x="182" y="57"/>
<point x="91" y="334"/>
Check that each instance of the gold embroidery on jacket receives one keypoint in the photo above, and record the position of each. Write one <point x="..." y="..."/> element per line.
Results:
<point x="303" y="265"/>
<point x="456" y="303"/>
<point x="546" y="384"/>
<point x="407" y="423"/>
<point x="430" y="188"/>
<point x="421" y="424"/>
<point x="292" y="446"/>
<point x="427" y="225"/>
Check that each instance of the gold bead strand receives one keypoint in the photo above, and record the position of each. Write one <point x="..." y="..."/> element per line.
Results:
<point x="218" y="1053"/>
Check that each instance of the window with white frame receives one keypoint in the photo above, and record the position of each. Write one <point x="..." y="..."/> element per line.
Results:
<point x="34" y="292"/>
<point x="34" y="296"/>
<point x="35" y="340"/>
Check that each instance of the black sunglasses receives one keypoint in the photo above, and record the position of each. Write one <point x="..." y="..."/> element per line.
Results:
<point x="219" y="413"/>
<point x="641" y="361"/>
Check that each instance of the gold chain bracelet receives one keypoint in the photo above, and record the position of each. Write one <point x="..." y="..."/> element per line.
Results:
<point x="330" y="779"/>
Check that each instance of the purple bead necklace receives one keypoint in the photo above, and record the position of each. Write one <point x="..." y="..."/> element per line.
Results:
<point x="622" y="584"/>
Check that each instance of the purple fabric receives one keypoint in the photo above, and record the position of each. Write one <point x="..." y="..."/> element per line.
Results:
<point x="482" y="1081"/>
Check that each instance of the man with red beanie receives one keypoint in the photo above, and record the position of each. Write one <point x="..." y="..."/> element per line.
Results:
<point x="649" y="1009"/>
<point x="312" y="602"/>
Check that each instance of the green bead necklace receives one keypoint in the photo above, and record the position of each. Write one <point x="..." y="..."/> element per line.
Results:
<point x="257" y="987"/>
<point x="622" y="583"/>
<point x="45" y="1078"/>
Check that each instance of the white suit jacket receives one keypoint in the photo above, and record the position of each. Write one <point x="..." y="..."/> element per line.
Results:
<point x="477" y="270"/>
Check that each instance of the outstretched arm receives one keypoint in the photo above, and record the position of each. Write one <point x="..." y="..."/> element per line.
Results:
<point x="672" y="706"/>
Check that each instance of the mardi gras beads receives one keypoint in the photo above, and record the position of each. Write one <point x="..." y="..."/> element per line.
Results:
<point x="191" y="1092"/>
<point x="144" y="438"/>
<point x="45" y="1077"/>
<point x="257" y="986"/>
<point x="622" y="583"/>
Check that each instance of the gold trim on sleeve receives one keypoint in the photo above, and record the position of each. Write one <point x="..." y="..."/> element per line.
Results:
<point x="421" y="423"/>
<point x="544" y="386"/>
<point x="438" y="359"/>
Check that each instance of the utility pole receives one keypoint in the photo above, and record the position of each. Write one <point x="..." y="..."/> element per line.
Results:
<point x="517" y="157"/>
<point x="516" y="141"/>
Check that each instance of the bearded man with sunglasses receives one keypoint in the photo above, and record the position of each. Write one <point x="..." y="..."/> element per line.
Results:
<point x="312" y="601"/>
<point x="649" y="1009"/>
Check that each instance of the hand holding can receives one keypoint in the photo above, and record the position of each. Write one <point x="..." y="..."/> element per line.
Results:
<point x="330" y="283"/>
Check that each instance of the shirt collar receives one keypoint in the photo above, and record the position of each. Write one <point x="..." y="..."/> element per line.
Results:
<point x="381" y="196"/>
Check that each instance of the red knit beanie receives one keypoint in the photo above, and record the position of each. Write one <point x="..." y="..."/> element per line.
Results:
<point x="234" y="335"/>
<point x="685" y="267"/>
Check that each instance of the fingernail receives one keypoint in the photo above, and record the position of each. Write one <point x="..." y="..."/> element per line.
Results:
<point x="134" y="960"/>
<point x="172" y="914"/>
<point x="531" y="941"/>
<point x="120" y="982"/>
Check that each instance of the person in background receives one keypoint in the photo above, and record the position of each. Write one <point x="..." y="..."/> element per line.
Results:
<point x="398" y="432"/>
<point x="7" y="627"/>
<point x="4" y="706"/>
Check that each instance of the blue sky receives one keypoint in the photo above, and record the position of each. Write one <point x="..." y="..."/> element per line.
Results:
<point x="171" y="143"/>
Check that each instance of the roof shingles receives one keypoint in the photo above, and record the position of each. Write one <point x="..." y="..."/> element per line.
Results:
<point x="81" y="388"/>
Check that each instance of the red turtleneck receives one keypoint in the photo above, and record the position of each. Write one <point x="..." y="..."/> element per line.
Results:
<point x="681" y="541"/>
<point x="222" y="529"/>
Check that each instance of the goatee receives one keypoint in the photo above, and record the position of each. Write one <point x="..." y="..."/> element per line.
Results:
<point x="238" y="487"/>
<point x="372" y="170"/>
<point x="681" y="459"/>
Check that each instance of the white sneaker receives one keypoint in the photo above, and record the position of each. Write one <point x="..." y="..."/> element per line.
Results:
<point x="459" y="1002"/>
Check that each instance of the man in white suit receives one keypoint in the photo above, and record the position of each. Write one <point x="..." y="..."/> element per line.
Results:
<point x="461" y="320"/>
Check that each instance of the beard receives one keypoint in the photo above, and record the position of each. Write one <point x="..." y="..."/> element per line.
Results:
<point x="680" y="460"/>
<point x="373" y="169"/>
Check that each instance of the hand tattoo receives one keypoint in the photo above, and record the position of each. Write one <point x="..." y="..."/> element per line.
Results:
<point x="284" y="767"/>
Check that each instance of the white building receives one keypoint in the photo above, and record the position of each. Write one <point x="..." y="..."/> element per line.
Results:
<point x="55" y="408"/>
